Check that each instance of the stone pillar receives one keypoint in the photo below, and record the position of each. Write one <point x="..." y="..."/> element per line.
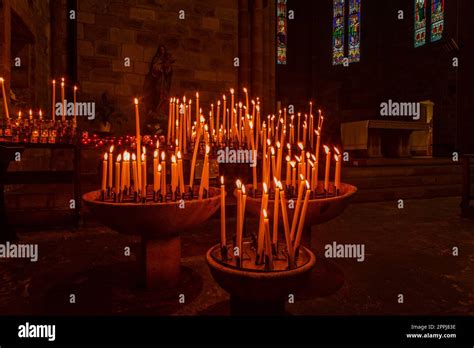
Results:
<point x="5" y="46"/>
<point x="244" y="45"/>
<point x="257" y="48"/>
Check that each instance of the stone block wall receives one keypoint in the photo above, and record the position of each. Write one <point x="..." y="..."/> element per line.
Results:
<point x="204" y="45"/>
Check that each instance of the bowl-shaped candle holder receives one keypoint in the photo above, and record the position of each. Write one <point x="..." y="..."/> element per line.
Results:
<point x="253" y="289"/>
<point x="321" y="209"/>
<point x="159" y="225"/>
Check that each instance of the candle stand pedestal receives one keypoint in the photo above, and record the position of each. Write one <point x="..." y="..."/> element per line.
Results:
<point x="159" y="225"/>
<point x="255" y="290"/>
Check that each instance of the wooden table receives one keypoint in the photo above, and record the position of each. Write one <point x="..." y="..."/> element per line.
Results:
<point x="7" y="154"/>
<point x="377" y="138"/>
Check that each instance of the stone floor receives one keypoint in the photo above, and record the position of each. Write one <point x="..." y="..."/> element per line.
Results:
<point x="407" y="251"/>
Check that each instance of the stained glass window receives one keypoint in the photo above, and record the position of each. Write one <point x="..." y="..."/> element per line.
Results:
<point x="420" y="22"/>
<point x="282" y="31"/>
<point x="354" y="31"/>
<point x="437" y="19"/>
<point x="338" y="32"/>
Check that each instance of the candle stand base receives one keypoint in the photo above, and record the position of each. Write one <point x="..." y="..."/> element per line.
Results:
<point x="159" y="225"/>
<point x="254" y="290"/>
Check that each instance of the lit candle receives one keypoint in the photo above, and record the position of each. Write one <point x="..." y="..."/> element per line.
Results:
<point x="53" y="103"/>
<point x="328" y="166"/>
<point x="302" y="217"/>
<point x="75" y="107"/>
<point x="268" y="247"/>
<point x="138" y="142"/>
<point x="337" y="176"/>
<point x="288" y="171"/>
<point x="163" y="173"/>
<point x="298" y="130"/>
<point x="180" y="173"/>
<point x="111" y="158"/>
<point x="143" y="172"/>
<point x="117" y="176"/>
<point x="275" y="210"/>
<point x="224" y="114"/>
<point x="293" y="174"/>
<point x="260" y="241"/>
<point x="155" y="171"/>
<point x="298" y="207"/>
<point x="63" y="99"/>
<point x="5" y="100"/>
<point x="135" y="172"/>
<point x="40" y="115"/>
<point x="104" y="172"/>
<point x="174" y="174"/>
<point x="158" y="180"/>
<point x="286" y="225"/>
<point x="232" y="107"/>
<point x="123" y="176"/>
<point x="223" y="234"/>
<point x="246" y="98"/>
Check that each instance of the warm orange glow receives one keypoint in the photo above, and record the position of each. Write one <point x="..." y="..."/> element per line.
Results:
<point x="75" y="87"/>
<point x="272" y="150"/>
<point x="243" y="189"/>
<point x="105" y="156"/>
<point x="179" y="155"/>
<point x="144" y="150"/>
<point x="238" y="183"/>
<point x="173" y="159"/>
<point x="336" y="149"/>
<point x="143" y="157"/>
<point x="265" y="188"/>
<point x="135" y="101"/>
<point x="134" y="158"/>
<point x="163" y="156"/>
<point x="265" y="214"/>
<point x="317" y="132"/>
<point x="197" y="94"/>
<point x="231" y="91"/>
<point x="111" y="149"/>
<point x="301" y="177"/>
<point x="336" y="157"/>
<point x="293" y="163"/>
<point x="326" y="148"/>
<point x="288" y="158"/>
<point x="159" y="168"/>
<point x="208" y="149"/>
<point x="300" y="145"/>
<point x="307" y="185"/>
<point x="222" y="180"/>
<point x="119" y="158"/>
<point x="155" y="154"/>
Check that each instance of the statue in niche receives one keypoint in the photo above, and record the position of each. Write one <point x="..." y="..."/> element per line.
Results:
<point x="156" y="90"/>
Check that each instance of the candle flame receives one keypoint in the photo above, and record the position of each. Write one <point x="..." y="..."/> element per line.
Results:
<point x="119" y="157"/>
<point x="179" y="155"/>
<point x="1" y="79"/>
<point x="265" y="214"/>
<point x="143" y="157"/>
<point x="54" y="82"/>
<point x="307" y="185"/>
<point x="301" y="177"/>
<point x="105" y="156"/>
<point x="223" y="96"/>
<point x="144" y="150"/>
<point x="243" y="189"/>
<point x="40" y="113"/>
<point x="163" y="156"/>
<point x="111" y="149"/>
<point x="135" y="101"/>
<point x="300" y="145"/>
<point x="272" y="150"/>
<point x="231" y="91"/>
<point x="269" y="142"/>
<point x="155" y="154"/>
<point x="317" y="132"/>
<point x="311" y="163"/>
<point x="279" y="185"/>
<point x="157" y="144"/>
<point x="336" y="157"/>
<point x="134" y="157"/>
<point x="278" y="144"/>
<point x="298" y="158"/>
<point x="75" y="88"/>
<point x="222" y="180"/>
<point x="265" y="188"/>
<point x="184" y="99"/>
<point x="313" y="157"/>
<point x="173" y="159"/>
<point x="62" y="79"/>
<point x="336" y="150"/>
<point x="308" y="155"/>
<point x="326" y="148"/>
<point x="159" y="168"/>
<point x="245" y="90"/>
<point x="208" y="149"/>
<point x="240" y="105"/>
<point x="293" y="163"/>
<point x="288" y="146"/>
<point x="288" y="158"/>
<point x="251" y="124"/>
<point x="238" y="183"/>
